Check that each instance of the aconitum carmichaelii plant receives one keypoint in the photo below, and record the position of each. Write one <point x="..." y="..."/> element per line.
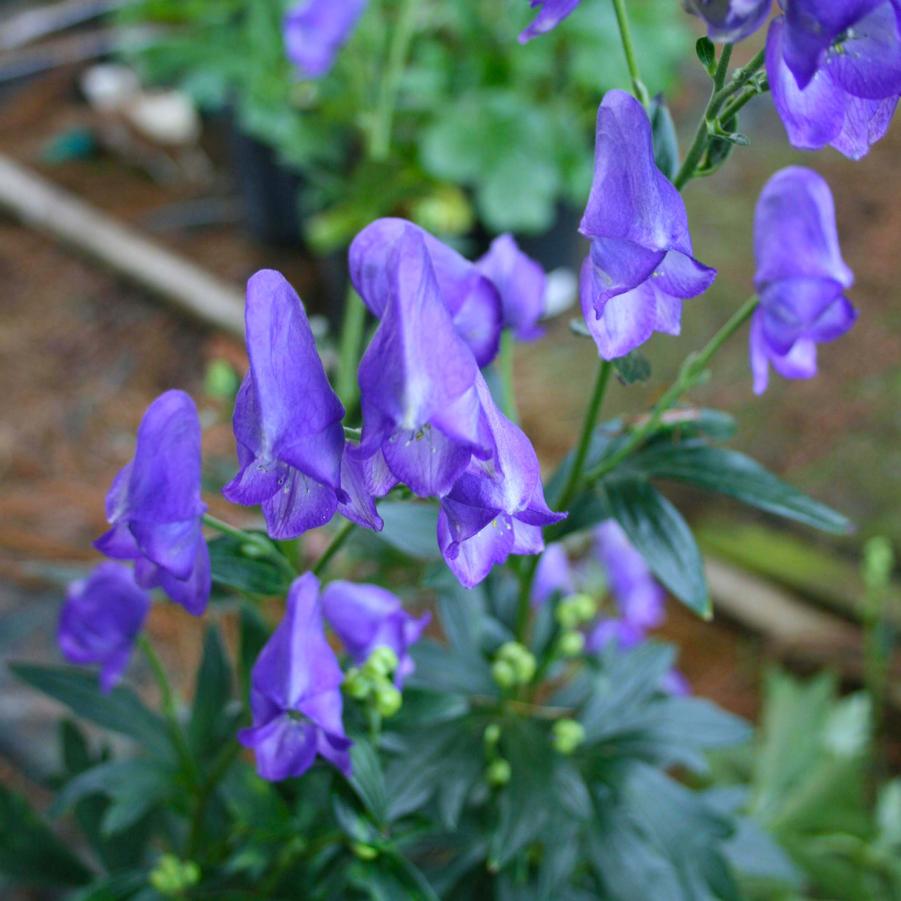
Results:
<point x="801" y="277"/>
<point x="640" y="267"/>
<point x="155" y="508"/>
<point x="295" y="694"/>
<point x="835" y="72"/>
<point x="316" y="30"/>
<point x="366" y="617"/>
<point x="100" y="620"/>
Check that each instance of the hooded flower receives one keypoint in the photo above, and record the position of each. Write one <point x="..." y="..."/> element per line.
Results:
<point x="418" y="379"/>
<point x="154" y="505"/>
<point x="315" y="30"/>
<point x="473" y="301"/>
<point x="801" y="277"/>
<point x="287" y="419"/>
<point x="521" y="283"/>
<point x="366" y="617"/>
<point x="834" y="70"/>
<point x="550" y="15"/>
<point x="554" y="575"/>
<point x="101" y="619"/>
<point x="640" y="266"/>
<point x="295" y="695"/>
<point x="731" y="20"/>
<point x="497" y="506"/>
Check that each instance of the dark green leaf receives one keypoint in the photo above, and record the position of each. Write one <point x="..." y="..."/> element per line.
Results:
<point x="632" y="368"/>
<point x="367" y="779"/>
<point x="706" y="51"/>
<point x="446" y="670"/>
<point x="254" y="633"/>
<point x="121" y="710"/>
<point x="410" y="528"/>
<point x="734" y="474"/>
<point x="210" y="721"/>
<point x="662" y="537"/>
<point x="666" y="141"/>
<point x="117" y="887"/>
<point x="29" y="852"/>
<point x="247" y="567"/>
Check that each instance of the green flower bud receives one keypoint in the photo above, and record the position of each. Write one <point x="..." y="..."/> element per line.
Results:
<point x="388" y="700"/>
<point x="498" y="772"/>
<point x="585" y="606"/>
<point x="878" y="562"/>
<point x="364" y="852"/>
<point x="520" y="658"/>
<point x="172" y="876"/>
<point x="221" y="380"/>
<point x="382" y="662"/>
<point x="503" y="673"/>
<point x="356" y="685"/>
<point x="571" y="644"/>
<point x="568" y="735"/>
<point x="492" y="735"/>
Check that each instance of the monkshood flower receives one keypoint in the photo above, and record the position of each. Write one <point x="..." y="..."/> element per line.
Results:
<point x="640" y="267"/>
<point x="155" y="509"/>
<point x="801" y="277"/>
<point x="554" y="575"/>
<point x="731" y="20"/>
<point x="638" y="596"/>
<point x="366" y="617"/>
<point x="315" y="30"/>
<point x="101" y="619"/>
<point x="287" y="419"/>
<point x="834" y="70"/>
<point x="418" y="395"/>
<point x="295" y="694"/>
<point x="473" y="301"/>
<point x="550" y="15"/>
<point x="521" y="283"/>
<point x="497" y="506"/>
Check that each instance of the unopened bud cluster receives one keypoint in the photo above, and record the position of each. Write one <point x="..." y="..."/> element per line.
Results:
<point x="514" y="664"/>
<point x="372" y="682"/>
<point x="573" y="612"/>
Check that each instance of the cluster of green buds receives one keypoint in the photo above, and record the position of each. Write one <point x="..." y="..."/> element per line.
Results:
<point x="372" y="682"/>
<point x="572" y="613"/>
<point x="514" y="664"/>
<point x="497" y="773"/>
<point x="568" y="735"/>
<point x="173" y="877"/>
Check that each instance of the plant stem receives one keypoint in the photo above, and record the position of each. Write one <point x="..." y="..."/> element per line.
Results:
<point x="625" y="34"/>
<point x="221" y="766"/>
<point x="170" y="711"/>
<point x="270" y="550"/>
<point x="720" y="93"/>
<point x="225" y="528"/>
<point x="380" y="138"/>
<point x="505" y="371"/>
<point x="341" y="536"/>
<point x="689" y="373"/>
<point x="352" y="326"/>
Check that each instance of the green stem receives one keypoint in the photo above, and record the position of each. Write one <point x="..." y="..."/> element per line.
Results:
<point x="341" y="536"/>
<point x="505" y="371"/>
<point x="352" y="327"/>
<point x="221" y="766"/>
<point x="691" y="370"/>
<point x="720" y="93"/>
<point x="225" y="528"/>
<point x="625" y="34"/>
<point x="270" y="550"/>
<point x="380" y="141"/>
<point x="170" y="709"/>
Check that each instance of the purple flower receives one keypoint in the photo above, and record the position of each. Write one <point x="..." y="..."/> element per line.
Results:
<point x="287" y="419"/>
<point x="418" y="391"/>
<point x="835" y="72"/>
<point x="731" y="20"/>
<point x="154" y="505"/>
<point x="101" y="619"/>
<point x="801" y="276"/>
<point x="295" y="695"/>
<point x="639" y="599"/>
<point x="497" y="506"/>
<point x="640" y="267"/>
<point x="315" y="30"/>
<point x="554" y="575"/>
<point x="366" y="617"/>
<point x="473" y="301"/>
<point x="521" y="284"/>
<point x="551" y="14"/>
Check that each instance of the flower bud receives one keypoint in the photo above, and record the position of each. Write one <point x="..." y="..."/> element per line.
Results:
<point x="388" y="700"/>
<point x="356" y="685"/>
<point x="503" y="674"/>
<point x="492" y="735"/>
<point x="364" y="851"/>
<point x="172" y="876"/>
<point x="568" y="735"/>
<point x="382" y="662"/>
<point x="498" y="772"/>
<point x="521" y="660"/>
<point x="576" y="609"/>
<point x="571" y="644"/>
